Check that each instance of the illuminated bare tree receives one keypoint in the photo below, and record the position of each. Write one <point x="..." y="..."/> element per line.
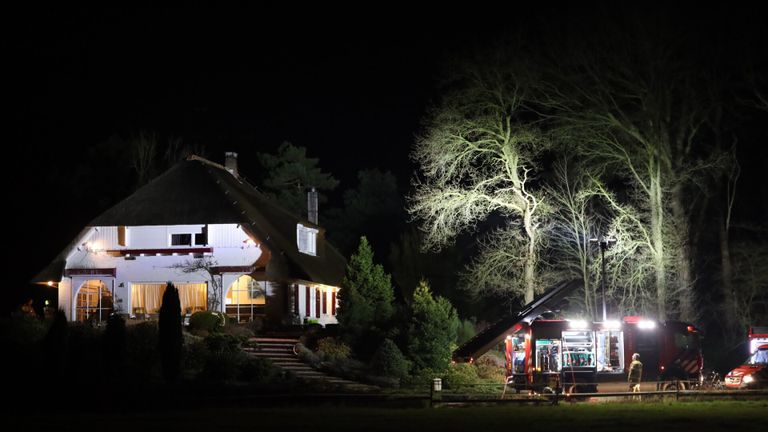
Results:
<point x="573" y="223"/>
<point x="476" y="159"/>
<point x="205" y="266"/>
<point x="636" y="106"/>
<point x="143" y="155"/>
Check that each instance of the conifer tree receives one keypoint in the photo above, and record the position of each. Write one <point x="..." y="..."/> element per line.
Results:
<point x="365" y="299"/>
<point x="170" y="337"/>
<point x="432" y="330"/>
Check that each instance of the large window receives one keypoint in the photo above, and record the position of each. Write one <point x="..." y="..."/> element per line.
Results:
<point x="190" y="238"/>
<point x="306" y="239"/>
<point x="93" y="302"/>
<point x="246" y="298"/>
<point x="146" y="298"/>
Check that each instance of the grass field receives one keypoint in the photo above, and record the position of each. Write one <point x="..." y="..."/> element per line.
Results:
<point x="648" y="417"/>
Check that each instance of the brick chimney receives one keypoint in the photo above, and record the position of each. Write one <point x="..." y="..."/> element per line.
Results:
<point x="230" y="163"/>
<point x="312" y="206"/>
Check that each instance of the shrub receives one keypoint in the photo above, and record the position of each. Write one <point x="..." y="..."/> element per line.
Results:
<point x="422" y="377"/>
<point x="332" y="349"/>
<point x="490" y="367"/>
<point x="23" y="330"/>
<point x="196" y="352"/>
<point x="256" y="325"/>
<point x="257" y="370"/>
<point x="141" y="347"/>
<point x="312" y="334"/>
<point x="460" y="374"/>
<point x="240" y="332"/>
<point x="308" y="356"/>
<point x="113" y="343"/>
<point x="224" y="359"/>
<point x="389" y="360"/>
<point x="207" y="321"/>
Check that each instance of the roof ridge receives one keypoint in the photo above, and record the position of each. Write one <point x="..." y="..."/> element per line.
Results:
<point x="194" y="157"/>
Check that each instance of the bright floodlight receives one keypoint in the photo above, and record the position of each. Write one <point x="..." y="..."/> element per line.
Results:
<point x="611" y="325"/>
<point x="646" y="325"/>
<point x="577" y="324"/>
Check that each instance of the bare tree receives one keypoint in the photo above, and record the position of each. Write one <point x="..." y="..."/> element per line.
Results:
<point x="477" y="159"/>
<point x="144" y="152"/>
<point x="205" y="266"/>
<point x="573" y="223"/>
<point x="637" y="106"/>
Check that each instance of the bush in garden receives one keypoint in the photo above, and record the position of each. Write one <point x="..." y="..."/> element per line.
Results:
<point x="306" y="355"/>
<point x="422" y="377"/>
<point x="224" y="359"/>
<point x="242" y="333"/>
<point x="196" y="352"/>
<point x="257" y="370"/>
<point x="332" y="349"/>
<point x="141" y="348"/>
<point x="460" y="374"/>
<point x="207" y="321"/>
<point x="490" y="367"/>
<point x="389" y="360"/>
<point x="113" y="343"/>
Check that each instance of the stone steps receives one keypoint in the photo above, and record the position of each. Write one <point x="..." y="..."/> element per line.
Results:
<point x="280" y="352"/>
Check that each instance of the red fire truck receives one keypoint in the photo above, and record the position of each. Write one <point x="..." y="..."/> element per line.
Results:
<point x="579" y="356"/>
<point x="754" y="372"/>
<point x="544" y="354"/>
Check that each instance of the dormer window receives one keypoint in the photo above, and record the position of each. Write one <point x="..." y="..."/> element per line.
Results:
<point x="306" y="239"/>
<point x="190" y="238"/>
<point x="181" y="239"/>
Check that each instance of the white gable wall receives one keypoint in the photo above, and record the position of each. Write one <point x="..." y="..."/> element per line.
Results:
<point x="229" y="243"/>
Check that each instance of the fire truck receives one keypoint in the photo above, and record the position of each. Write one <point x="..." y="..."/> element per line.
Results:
<point x="576" y="356"/>
<point x="754" y="372"/>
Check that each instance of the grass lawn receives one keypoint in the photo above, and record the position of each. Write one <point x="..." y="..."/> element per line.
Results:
<point x="648" y="417"/>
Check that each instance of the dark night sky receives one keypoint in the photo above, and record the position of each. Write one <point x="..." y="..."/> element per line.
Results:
<point x="350" y="85"/>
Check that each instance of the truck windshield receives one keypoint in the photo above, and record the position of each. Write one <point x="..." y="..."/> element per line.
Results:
<point x="759" y="357"/>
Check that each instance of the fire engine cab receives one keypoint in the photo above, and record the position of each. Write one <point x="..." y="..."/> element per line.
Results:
<point x="576" y="356"/>
<point x="754" y="372"/>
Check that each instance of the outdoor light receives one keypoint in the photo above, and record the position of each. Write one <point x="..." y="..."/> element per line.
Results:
<point x="50" y="283"/>
<point x="646" y="325"/>
<point x="611" y="325"/>
<point x="577" y="324"/>
<point x="748" y="379"/>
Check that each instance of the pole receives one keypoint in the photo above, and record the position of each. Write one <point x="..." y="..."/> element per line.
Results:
<point x="603" y="247"/>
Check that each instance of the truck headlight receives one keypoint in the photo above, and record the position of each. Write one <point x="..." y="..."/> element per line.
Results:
<point x="747" y="379"/>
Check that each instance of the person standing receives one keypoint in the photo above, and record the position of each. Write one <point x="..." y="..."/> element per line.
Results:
<point x="635" y="373"/>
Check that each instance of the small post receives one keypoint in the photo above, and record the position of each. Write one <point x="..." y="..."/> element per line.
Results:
<point x="435" y="393"/>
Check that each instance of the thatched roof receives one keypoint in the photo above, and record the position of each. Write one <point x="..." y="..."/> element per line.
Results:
<point x="197" y="191"/>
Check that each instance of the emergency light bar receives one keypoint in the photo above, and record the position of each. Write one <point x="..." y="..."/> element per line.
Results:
<point x="646" y="325"/>
<point x="611" y="325"/>
<point x="578" y="324"/>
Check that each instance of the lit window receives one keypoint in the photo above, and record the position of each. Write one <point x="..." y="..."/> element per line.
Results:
<point x="190" y="239"/>
<point x="306" y="239"/>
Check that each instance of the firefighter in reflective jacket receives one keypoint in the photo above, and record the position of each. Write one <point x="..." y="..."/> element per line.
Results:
<point x="635" y="372"/>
